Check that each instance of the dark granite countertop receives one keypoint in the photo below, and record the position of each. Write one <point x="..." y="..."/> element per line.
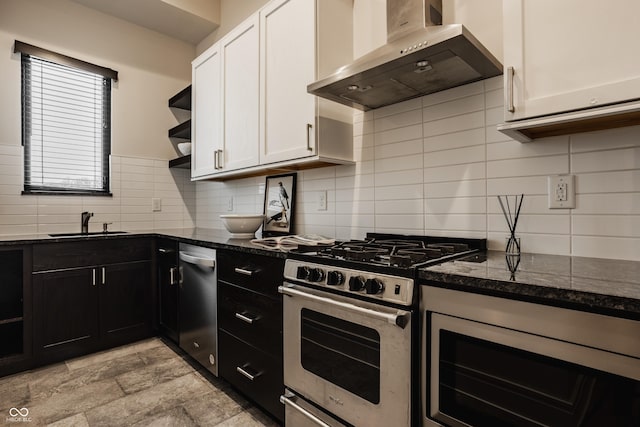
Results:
<point x="590" y="284"/>
<point x="214" y="238"/>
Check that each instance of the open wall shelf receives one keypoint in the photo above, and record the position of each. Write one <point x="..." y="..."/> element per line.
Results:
<point x="182" y="101"/>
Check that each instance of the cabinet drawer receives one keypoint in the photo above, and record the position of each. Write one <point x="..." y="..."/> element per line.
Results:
<point x="252" y="317"/>
<point x="267" y="384"/>
<point x="259" y="273"/>
<point x="50" y="256"/>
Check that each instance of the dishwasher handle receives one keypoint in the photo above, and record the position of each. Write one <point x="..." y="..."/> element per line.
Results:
<point x="198" y="260"/>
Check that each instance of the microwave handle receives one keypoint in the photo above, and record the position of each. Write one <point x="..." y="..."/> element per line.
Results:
<point x="398" y="318"/>
<point x="285" y="399"/>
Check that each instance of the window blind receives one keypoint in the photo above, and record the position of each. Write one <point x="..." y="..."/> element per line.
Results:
<point x="66" y="128"/>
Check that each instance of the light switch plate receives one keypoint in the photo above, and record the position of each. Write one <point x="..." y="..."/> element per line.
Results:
<point x="156" y="204"/>
<point x="562" y="191"/>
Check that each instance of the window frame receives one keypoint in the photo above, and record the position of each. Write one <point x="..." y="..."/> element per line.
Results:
<point x="108" y="75"/>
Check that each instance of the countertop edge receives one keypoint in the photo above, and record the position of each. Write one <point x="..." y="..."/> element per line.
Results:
<point x="212" y="238"/>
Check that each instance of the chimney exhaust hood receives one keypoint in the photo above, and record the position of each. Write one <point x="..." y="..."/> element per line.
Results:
<point x="421" y="56"/>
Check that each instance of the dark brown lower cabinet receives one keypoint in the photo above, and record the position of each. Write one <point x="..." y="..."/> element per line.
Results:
<point x="250" y="327"/>
<point x="15" y="309"/>
<point x="65" y="313"/>
<point x="78" y="309"/>
<point x="167" y="272"/>
<point x="254" y="372"/>
<point x="125" y="302"/>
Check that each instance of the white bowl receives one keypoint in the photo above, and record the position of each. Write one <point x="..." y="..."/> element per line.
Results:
<point x="242" y="226"/>
<point x="184" y="148"/>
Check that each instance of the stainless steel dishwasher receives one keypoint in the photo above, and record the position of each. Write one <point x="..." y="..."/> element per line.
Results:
<point x="198" y="301"/>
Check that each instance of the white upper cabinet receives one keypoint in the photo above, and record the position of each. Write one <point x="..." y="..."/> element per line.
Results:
<point x="299" y="41"/>
<point x="240" y="92"/>
<point x="288" y="55"/>
<point x="206" y="117"/>
<point x="264" y="117"/>
<point x="569" y="55"/>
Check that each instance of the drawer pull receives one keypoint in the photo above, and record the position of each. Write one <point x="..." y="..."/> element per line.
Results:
<point x="242" y="371"/>
<point x="244" y="318"/>
<point x="243" y="271"/>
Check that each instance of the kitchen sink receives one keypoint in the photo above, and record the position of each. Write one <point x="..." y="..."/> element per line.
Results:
<point x="92" y="234"/>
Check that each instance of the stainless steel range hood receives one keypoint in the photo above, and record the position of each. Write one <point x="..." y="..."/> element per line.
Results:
<point x="421" y="57"/>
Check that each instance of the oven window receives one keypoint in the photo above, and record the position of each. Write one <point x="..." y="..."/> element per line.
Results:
<point x="343" y="353"/>
<point x="483" y="383"/>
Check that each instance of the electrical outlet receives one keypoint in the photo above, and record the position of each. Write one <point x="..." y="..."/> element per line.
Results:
<point x="322" y="201"/>
<point x="156" y="204"/>
<point x="230" y="204"/>
<point x="562" y="192"/>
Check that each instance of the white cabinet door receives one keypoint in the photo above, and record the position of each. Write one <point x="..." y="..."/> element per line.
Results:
<point x="206" y="117"/>
<point x="569" y="55"/>
<point x="241" y="73"/>
<point x="287" y="49"/>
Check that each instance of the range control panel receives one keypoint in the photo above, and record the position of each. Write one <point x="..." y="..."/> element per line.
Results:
<point x="376" y="286"/>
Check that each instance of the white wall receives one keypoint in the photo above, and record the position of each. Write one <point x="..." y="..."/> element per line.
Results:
<point x="151" y="67"/>
<point x="232" y="13"/>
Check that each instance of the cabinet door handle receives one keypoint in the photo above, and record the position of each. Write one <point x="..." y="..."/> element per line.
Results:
<point x="104" y="275"/>
<point x="510" y="106"/>
<point x="172" y="276"/>
<point x="93" y="273"/>
<point x="243" y="271"/>
<point x="242" y="371"/>
<point x="220" y="159"/>
<point x="309" y="128"/>
<point x="165" y="251"/>
<point x="244" y="318"/>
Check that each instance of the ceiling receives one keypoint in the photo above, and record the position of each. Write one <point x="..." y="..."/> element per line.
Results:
<point x="186" y="20"/>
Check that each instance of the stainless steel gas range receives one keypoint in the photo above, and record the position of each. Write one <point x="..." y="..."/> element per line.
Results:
<point x="350" y="329"/>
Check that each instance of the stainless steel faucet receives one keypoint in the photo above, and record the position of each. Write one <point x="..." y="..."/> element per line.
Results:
<point x="84" y="222"/>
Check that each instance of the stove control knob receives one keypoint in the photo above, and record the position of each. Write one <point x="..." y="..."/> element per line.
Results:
<point x="335" y="278"/>
<point x="303" y="273"/>
<point x="316" y="275"/>
<point x="373" y="286"/>
<point x="356" y="283"/>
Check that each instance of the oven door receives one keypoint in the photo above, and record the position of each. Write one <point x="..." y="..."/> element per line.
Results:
<point x="532" y="366"/>
<point x="350" y="357"/>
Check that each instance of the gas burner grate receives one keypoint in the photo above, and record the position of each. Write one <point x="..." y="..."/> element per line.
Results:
<point x="449" y="248"/>
<point x="390" y="252"/>
<point x="409" y="257"/>
<point x="355" y="253"/>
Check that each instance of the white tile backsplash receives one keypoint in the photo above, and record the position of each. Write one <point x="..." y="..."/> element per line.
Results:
<point x="434" y="165"/>
<point x="129" y="207"/>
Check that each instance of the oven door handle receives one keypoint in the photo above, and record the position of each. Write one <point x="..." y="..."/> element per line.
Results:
<point x="286" y="400"/>
<point x="399" y="318"/>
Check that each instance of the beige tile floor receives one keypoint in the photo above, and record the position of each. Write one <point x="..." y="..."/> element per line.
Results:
<point x="141" y="384"/>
